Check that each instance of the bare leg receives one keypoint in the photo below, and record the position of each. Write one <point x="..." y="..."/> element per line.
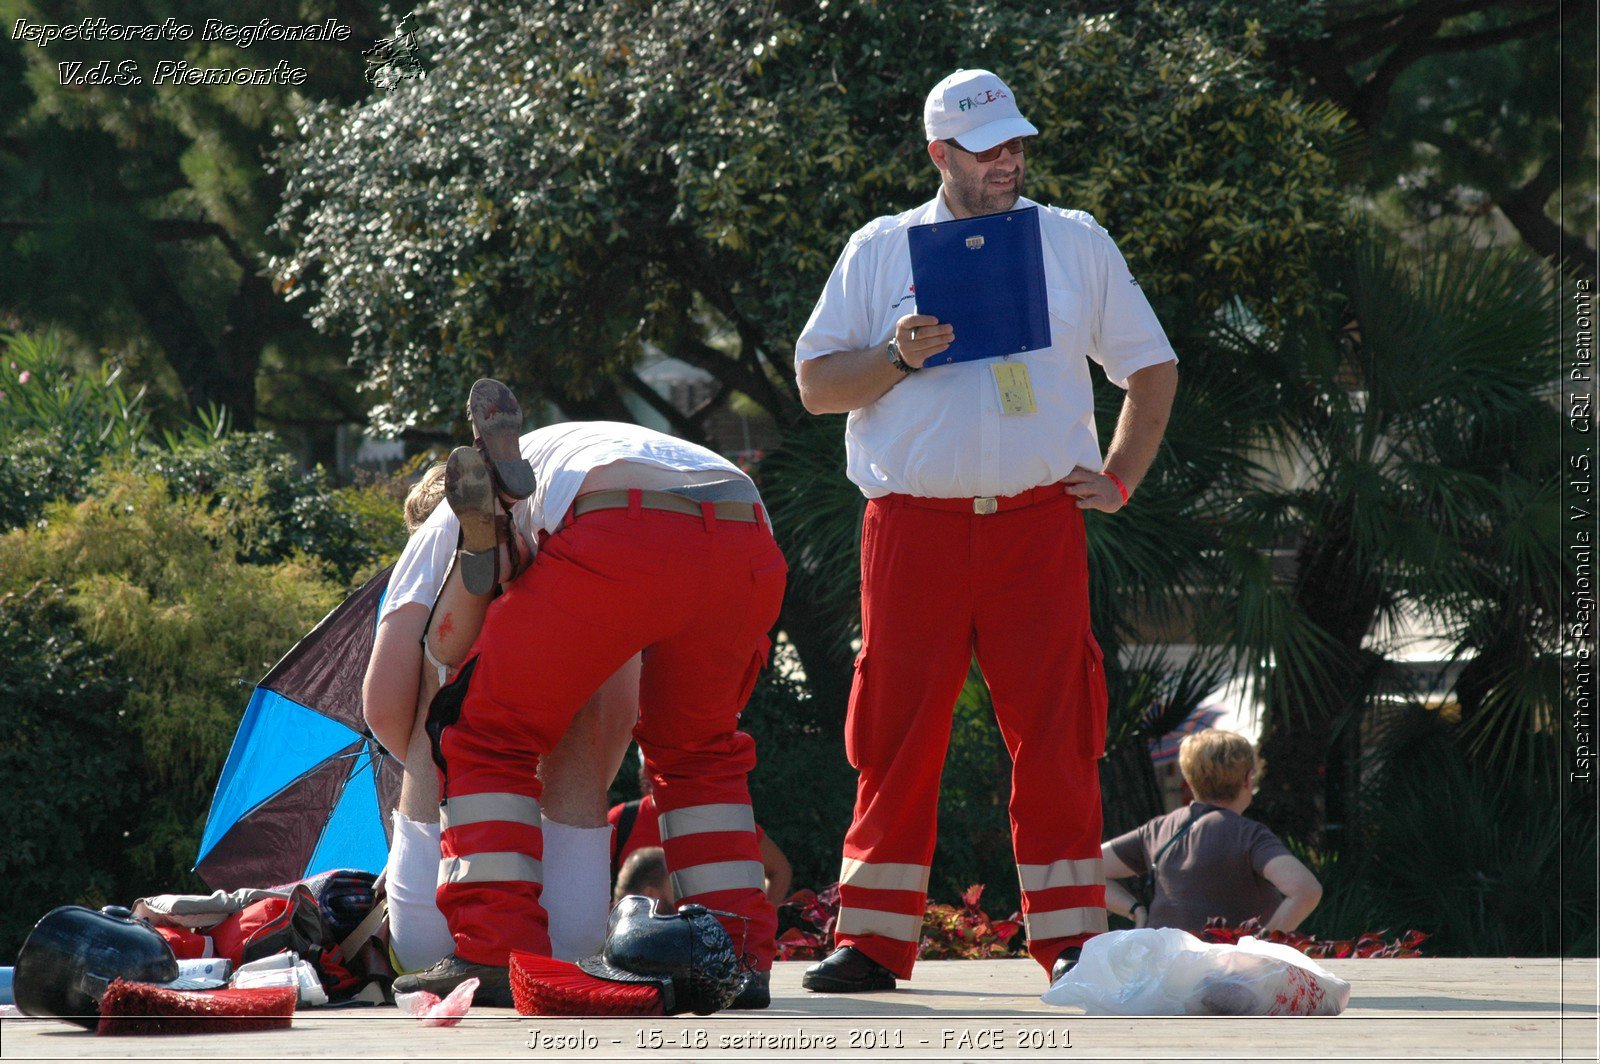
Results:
<point x="577" y="837"/>
<point x="418" y="932"/>
<point x="576" y="775"/>
<point x="579" y="770"/>
<point x="452" y="630"/>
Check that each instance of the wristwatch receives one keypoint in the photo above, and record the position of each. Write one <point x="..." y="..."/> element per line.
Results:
<point x="896" y="360"/>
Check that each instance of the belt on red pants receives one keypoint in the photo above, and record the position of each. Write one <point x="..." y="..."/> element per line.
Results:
<point x="726" y="510"/>
<point x="983" y="504"/>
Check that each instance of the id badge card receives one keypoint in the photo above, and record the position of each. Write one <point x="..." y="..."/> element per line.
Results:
<point x="1016" y="387"/>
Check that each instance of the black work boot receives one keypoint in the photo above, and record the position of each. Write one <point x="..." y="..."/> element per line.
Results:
<point x="494" y="981"/>
<point x="1066" y="960"/>
<point x="847" y="971"/>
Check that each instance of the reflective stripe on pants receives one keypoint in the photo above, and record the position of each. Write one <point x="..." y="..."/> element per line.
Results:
<point x="939" y="587"/>
<point x="701" y="596"/>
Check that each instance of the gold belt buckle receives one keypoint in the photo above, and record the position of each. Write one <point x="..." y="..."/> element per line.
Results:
<point x="985" y="504"/>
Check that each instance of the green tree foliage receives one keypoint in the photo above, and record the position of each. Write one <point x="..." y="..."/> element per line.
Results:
<point x="1471" y="107"/>
<point x="567" y="182"/>
<point x="136" y="214"/>
<point x="156" y="581"/>
<point x="1488" y="866"/>
<point x="71" y="766"/>
<point x="274" y="511"/>
<point x="1422" y="454"/>
<point x="1508" y="129"/>
<point x="138" y="607"/>
<point x="56" y="424"/>
<point x="798" y="758"/>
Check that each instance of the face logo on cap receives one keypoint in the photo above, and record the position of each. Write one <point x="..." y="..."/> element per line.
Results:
<point x="967" y="103"/>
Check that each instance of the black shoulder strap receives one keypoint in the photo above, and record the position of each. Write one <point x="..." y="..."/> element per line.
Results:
<point x="1181" y="832"/>
<point x="625" y="822"/>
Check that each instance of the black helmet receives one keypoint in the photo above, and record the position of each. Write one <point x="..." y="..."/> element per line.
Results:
<point x="687" y="954"/>
<point x="73" y="953"/>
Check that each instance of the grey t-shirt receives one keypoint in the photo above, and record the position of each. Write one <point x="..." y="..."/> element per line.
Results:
<point x="1213" y="870"/>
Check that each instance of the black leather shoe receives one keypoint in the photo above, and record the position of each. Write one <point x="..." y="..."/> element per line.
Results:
<point x="847" y="971"/>
<point x="755" y="993"/>
<point x="494" y="981"/>
<point x="1066" y="960"/>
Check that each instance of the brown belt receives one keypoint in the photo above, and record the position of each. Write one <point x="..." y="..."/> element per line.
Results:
<point x="727" y="510"/>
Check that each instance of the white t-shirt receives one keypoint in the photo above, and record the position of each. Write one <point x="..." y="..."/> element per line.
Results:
<point x="561" y="455"/>
<point x="940" y="433"/>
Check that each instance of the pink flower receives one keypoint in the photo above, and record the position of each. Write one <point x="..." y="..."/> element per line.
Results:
<point x="24" y="377"/>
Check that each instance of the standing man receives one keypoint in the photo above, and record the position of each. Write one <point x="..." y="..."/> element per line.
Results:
<point x="973" y="541"/>
<point x="646" y="543"/>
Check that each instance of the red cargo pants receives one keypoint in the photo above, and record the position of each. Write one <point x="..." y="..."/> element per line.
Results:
<point x="698" y="596"/>
<point x="940" y="583"/>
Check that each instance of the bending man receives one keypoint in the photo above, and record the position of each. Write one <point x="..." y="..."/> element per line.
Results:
<point x="648" y="544"/>
<point x="428" y="623"/>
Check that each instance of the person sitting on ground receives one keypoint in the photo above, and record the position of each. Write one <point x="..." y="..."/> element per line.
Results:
<point x="427" y="624"/>
<point x="637" y="827"/>
<point x="645" y="873"/>
<point x="1209" y="859"/>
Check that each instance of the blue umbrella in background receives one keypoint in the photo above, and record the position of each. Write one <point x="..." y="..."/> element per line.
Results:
<point x="305" y="789"/>
<point x="1165" y="749"/>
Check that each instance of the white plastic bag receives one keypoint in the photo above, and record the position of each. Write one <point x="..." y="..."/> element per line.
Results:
<point x="1168" y="972"/>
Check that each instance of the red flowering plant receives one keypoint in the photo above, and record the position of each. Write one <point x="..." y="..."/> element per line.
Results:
<point x="963" y="932"/>
<point x="967" y="933"/>
<point x="1371" y="944"/>
<point x="805" y="924"/>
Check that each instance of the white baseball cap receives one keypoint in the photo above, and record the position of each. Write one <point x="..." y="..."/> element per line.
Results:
<point x="976" y="108"/>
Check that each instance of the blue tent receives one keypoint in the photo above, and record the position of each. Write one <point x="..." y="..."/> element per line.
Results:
<point x="305" y="788"/>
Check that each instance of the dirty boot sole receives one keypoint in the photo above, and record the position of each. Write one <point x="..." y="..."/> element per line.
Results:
<point x="496" y="433"/>
<point x="471" y="496"/>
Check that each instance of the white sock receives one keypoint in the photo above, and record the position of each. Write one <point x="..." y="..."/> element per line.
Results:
<point x="418" y="933"/>
<point x="577" y="888"/>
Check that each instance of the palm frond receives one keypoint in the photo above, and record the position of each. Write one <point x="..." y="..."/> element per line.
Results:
<point x="816" y="515"/>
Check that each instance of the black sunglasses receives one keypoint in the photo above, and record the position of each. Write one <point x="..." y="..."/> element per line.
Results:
<point x="1016" y="146"/>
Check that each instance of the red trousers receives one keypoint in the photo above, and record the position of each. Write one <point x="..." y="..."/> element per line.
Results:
<point x="698" y="596"/>
<point x="940" y="583"/>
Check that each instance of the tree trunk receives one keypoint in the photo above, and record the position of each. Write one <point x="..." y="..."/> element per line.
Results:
<point x="225" y="374"/>
<point x="1305" y="782"/>
<point x="249" y="325"/>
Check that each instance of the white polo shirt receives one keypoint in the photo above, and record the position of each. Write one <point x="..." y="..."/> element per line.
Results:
<point x="562" y="456"/>
<point x="940" y="433"/>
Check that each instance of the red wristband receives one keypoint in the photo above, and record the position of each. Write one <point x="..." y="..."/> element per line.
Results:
<point x="1120" y="485"/>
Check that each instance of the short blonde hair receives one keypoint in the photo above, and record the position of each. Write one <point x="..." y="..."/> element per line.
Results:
<point x="423" y="498"/>
<point x="1215" y="763"/>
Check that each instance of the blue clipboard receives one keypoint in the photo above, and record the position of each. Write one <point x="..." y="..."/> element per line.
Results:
<point x="985" y="276"/>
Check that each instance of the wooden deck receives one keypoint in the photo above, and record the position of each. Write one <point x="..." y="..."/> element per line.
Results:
<point x="1502" y="1009"/>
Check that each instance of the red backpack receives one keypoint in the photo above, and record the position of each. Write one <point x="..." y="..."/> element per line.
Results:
<point x="273" y="925"/>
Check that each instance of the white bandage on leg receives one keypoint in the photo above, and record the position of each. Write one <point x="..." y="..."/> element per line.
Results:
<point x="577" y="888"/>
<point x="418" y="934"/>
